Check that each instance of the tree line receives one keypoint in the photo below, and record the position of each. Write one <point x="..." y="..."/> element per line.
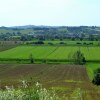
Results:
<point x="72" y="33"/>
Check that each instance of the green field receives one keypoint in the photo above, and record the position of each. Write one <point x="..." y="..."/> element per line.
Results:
<point x="63" y="78"/>
<point x="69" y="42"/>
<point x="90" y="69"/>
<point x="23" y="31"/>
<point x="51" y="52"/>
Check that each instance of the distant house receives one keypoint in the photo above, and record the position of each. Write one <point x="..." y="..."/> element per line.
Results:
<point x="30" y="34"/>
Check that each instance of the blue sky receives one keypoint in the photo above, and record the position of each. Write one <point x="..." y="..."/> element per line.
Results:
<point x="50" y="12"/>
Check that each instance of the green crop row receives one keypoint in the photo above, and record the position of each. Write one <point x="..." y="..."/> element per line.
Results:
<point x="50" y="52"/>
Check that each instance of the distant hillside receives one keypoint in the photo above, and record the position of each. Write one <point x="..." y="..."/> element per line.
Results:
<point x="61" y="29"/>
<point x="32" y="26"/>
<point x="50" y="31"/>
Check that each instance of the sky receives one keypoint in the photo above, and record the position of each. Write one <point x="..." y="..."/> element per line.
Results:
<point x="50" y="12"/>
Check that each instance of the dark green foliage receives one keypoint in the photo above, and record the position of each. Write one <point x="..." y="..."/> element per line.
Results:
<point x="78" y="57"/>
<point x="50" y="43"/>
<point x="96" y="79"/>
<point x="39" y="42"/>
<point x="78" y="43"/>
<point x="62" y="43"/>
<point x="31" y="59"/>
<point x="45" y="33"/>
<point x="44" y="61"/>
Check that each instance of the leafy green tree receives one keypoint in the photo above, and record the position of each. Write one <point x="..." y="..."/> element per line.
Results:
<point x="96" y="79"/>
<point x="78" y="57"/>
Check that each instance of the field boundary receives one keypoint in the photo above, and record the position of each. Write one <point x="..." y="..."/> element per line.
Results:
<point x="16" y="60"/>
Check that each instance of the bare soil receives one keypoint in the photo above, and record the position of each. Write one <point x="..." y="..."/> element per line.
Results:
<point x="63" y="78"/>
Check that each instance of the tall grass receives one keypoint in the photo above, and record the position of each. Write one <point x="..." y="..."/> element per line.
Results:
<point x="25" y="92"/>
<point x="35" y="92"/>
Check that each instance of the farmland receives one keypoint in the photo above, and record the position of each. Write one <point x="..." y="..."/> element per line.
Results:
<point x="51" y="52"/>
<point x="6" y="47"/>
<point x="69" y="42"/>
<point x="65" y="79"/>
<point x="90" y="69"/>
<point x="3" y="31"/>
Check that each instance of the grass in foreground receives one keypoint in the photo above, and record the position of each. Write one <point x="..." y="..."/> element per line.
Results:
<point x="90" y="69"/>
<point x="36" y="92"/>
<point x="26" y="93"/>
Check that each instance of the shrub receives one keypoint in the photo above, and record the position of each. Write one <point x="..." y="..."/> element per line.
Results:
<point x="44" y="60"/>
<point x="78" y="43"/>
<point x="91" y="43"/>
<point x="84" y="43"/>
<point x="50" y="43"/>
<point x="39" y="42"/>
<point x="62" y="43"/>
<point x="96" y="79"/>
<point x="31" y="58"/>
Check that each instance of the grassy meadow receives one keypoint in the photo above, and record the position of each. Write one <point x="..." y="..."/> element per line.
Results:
<point x="69" y="42"/>
<point x="51" y="52"/>
<point x="90" y="69"/>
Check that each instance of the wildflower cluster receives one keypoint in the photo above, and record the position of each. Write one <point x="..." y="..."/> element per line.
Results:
<point x="28" y="93"/>
<point x="38" y="93"/>
<point x="11" y="94"/>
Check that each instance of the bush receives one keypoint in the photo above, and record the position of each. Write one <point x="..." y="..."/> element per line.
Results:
<point x="91" y="43"/>
<point x="62" y="43"/>
<point x="84" y="43"/>
<point x="78" y="43"/>
<point x="96" y="79"/>
<point x="44" y="60"/>
<point x="39" y="42"/>
<point x="50" y="43"/>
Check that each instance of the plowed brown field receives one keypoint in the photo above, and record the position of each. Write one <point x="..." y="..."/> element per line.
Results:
<point x="63" y="78"/>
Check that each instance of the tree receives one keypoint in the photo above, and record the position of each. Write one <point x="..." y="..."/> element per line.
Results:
<point x="44" y="61"/>
<point x="31" y="58"/>
<point x="96" y="79"/>
<point x="78" y="57"/>
<point x="91" y="37"/>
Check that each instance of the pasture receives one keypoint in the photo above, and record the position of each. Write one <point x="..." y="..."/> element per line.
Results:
<point x="51" y="52"/>
<point x="90" y="69"/>
<point x="65" y="79"/>
<point x="69" y="42"/>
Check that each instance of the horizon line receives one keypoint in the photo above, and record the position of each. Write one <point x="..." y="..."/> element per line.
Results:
<point x="52" y="25"/>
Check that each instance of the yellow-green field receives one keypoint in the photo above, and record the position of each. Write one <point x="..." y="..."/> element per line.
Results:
<point x="51" y="52"/>
<point x="90" y="69"/>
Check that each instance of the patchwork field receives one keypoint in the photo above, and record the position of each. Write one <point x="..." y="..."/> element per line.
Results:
<point x="65" y="79"/>
<point x="51" y="52"/>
